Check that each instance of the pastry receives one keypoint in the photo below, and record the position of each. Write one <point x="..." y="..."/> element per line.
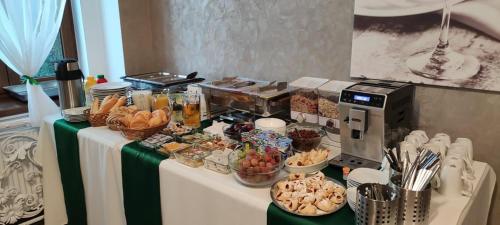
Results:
<point x="312" y="157"/>
<point x="95" y="106"/>
<point x="291" y="204"/>
<point x="155" y="121"/>
<point x="161" y="114"/>
<point x="329" y="186"/>
<point x="283" y="195"/>
<point x="337" y="198"/>
<point x="307" y="209"/>
<point x="325" y="205"/>
<point x="146" y="115"/>
<point x="119" y="103"/>
<point x="138" y="123"/>
<point x="107" y="104"/>
<point x="307" y="198"/>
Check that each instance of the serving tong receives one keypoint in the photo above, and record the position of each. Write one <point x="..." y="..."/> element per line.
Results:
<point x="418" y="174"/>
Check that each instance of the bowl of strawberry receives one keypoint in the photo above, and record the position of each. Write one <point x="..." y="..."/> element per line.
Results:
<point x="255" y="168"/>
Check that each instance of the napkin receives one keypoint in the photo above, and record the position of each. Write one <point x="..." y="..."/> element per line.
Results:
<point x="484" y="15"/>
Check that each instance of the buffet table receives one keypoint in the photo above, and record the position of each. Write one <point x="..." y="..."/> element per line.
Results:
<point x="93" y="175"/>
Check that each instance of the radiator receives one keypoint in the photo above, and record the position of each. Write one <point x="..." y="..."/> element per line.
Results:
<point x="21" y="195"/>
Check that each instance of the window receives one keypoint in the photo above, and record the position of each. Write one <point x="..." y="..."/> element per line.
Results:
<point x="55" y="54"/>
<point x="64" y="47"/>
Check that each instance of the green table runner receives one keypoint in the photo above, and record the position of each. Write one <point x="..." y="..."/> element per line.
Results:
<point x="141" y="184"/>
<point x="345" y="216"/>
<point x="69" y="166"/>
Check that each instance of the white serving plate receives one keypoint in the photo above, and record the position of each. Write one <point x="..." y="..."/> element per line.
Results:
<point x="366" y="175"/>
<point x="319" y="212"/>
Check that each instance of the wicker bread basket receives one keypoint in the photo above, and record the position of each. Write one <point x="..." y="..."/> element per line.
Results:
<point x="113" y="121"/>
<point x="134" y="134"/>
<point x="96" y="119"/>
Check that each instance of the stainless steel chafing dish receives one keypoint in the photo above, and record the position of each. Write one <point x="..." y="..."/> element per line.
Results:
<point x="262" y="98"/>
<point x="160" y="80"/>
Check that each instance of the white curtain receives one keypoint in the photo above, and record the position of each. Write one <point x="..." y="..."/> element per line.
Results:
<point x="28" y="29"/>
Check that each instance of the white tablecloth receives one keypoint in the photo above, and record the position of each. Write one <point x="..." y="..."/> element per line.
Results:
<point x="196" y="195"/>
<point x="218" y="199"/>
<point x="100" y="164"/>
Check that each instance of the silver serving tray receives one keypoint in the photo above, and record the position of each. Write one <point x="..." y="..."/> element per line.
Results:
<point x="276" y="202"/>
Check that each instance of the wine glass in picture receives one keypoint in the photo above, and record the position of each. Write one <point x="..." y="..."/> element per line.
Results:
<point x="442" y="63"/>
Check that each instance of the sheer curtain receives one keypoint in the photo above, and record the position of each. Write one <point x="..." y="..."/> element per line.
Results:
<point x="28" y="29"/>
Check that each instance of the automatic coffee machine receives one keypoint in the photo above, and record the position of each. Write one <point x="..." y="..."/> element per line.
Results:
<point x="373" y="115"/>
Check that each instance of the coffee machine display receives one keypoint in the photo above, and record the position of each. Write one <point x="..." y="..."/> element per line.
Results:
<point x="373" y="115"/>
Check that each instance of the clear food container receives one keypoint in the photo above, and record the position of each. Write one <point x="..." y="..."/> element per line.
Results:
<point x="328" y="110"/>
<point x="304" y="100"/>
<point x="218" y="161"/>
<point x="192" y="156"/>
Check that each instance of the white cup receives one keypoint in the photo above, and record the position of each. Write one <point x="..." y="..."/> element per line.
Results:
<point x="421" y="134"/>
<point x="454" y="157"/>
<point x="410" y="148"/>
<point x="451" y="181"/>
<point x="467" y="143"/>
<point x="415" y="140"/>
<point x="441" y="145"/>
<point x="443" y="138"/>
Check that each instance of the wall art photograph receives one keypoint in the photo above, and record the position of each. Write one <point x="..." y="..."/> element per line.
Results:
<point x="453" y="43"/>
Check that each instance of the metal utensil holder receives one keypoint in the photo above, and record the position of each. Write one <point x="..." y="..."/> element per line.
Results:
<point x="376" y="212"/>
<point x="414" y="205"/>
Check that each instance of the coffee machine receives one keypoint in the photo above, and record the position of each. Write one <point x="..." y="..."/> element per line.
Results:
<point x="373" y="115"/>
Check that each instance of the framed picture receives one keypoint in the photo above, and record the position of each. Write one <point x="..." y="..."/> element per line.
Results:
<point x="453" y="43"/>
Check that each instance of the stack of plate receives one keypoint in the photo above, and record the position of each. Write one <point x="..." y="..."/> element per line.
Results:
<point x="102" y="90"/>
<point x="351" y="197"/>
<point x="365" y="175"/>
<point x="74" y="114"/>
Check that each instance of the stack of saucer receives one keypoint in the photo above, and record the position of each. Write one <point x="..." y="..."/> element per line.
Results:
<point x="75" y="115"/>
<point x="365" y="175"/>
<point x="102" y="90"/>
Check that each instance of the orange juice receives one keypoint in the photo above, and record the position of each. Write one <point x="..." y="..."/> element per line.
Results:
<point x="160" y="101"/>
<point x="191" y="115"/>
<point x="191" y="110"/>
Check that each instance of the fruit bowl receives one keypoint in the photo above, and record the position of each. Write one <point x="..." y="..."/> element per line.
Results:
<point x="255" y="168"/>
<point x="305" y="138"/>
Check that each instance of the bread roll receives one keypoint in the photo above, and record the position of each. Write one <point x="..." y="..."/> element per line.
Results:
<point x="138" y="123"/>
<point x="95" y="106"/>
<point x="107" y="105"/>
<point x="161" y="114"/>
<point x="120" y="102"/>
<point x="155" y="121"/>
<point x="145" y="115"/>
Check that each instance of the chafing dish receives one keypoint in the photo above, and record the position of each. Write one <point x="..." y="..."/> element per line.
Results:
<point x="160" y="80"/>
<point x="261" y="98"/>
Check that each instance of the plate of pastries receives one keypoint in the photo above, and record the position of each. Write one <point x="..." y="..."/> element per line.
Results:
<point x="308" y="162"/>
<point x="311" y="195"/>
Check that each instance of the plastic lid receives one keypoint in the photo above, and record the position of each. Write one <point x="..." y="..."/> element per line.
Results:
<point x="100" y="76"/>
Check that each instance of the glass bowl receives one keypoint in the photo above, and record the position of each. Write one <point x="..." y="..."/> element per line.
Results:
<point x="255" y="168"/>
<point x="234" y="130"/>
<point x="304" y="137"/>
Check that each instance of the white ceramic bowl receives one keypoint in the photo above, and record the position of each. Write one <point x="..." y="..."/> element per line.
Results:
<point x="311" y="168"/>
<point x="272" y="124"/>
